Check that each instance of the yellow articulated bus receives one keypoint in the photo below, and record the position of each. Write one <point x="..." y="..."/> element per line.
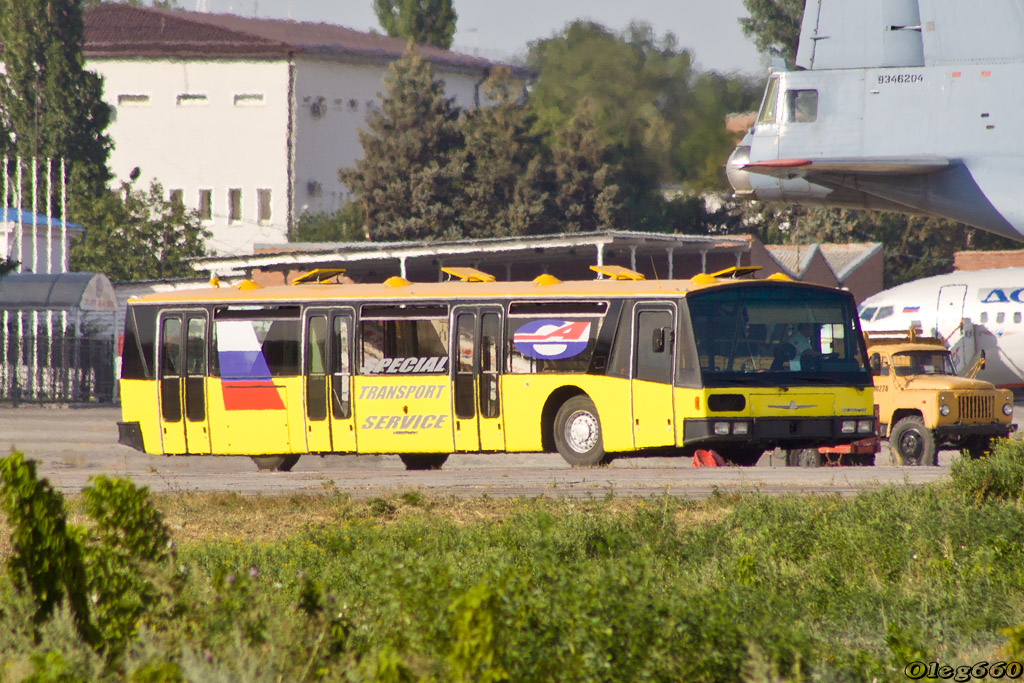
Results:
<point x="593" y="369"/>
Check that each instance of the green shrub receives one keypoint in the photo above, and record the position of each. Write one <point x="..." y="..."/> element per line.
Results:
<point x="996" y="476"/>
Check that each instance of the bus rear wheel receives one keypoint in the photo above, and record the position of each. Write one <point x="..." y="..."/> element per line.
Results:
<point x="804" y="457"/>
<point x="423" y="461"/>
<point x="275" y="463"/>
<point x="578" y="433"/>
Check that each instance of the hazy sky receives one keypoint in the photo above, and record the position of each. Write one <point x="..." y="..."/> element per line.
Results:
<point x="499" y="29"/>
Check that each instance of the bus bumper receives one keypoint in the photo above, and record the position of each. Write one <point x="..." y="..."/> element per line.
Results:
<point x="772" y="432"/>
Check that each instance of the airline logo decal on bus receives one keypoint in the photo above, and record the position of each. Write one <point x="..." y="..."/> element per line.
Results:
<point x="406" y="366"/>
<point x="246" y="383"/>
<point x="552" y="339"/>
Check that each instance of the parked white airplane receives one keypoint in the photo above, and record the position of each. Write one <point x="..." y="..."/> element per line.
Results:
<point x="979" y="311"/>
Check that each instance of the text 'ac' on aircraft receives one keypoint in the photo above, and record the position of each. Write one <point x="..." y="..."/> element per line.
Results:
<point x="976" y="312"/>
<point x="897" y="105"/>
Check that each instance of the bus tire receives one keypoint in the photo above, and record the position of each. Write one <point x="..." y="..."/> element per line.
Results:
<point x="578" y="433"/>
<point x="423" y="461"/>
<point x="804" y="457"/>
<point x="275" y="463"/>
<point x="911" y="443"/>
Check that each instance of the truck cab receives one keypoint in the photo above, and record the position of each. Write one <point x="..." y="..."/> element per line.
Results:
<point x="923" y="405"/>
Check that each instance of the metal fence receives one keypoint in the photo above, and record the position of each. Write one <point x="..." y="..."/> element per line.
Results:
<point x="59" y="367"/>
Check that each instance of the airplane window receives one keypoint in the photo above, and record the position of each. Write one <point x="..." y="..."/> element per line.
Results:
<point x="866" y="313"/>
<point x="801" y="106"/>
<point x="1016" y="317"/>
<point x="771" y="97"/>
<point x="984" y="318"/>
<point x="884" y="312"/>
<point x="1000" y="317"/>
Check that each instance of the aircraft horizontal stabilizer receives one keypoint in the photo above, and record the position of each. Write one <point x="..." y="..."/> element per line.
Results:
<point x="912" y="165"/>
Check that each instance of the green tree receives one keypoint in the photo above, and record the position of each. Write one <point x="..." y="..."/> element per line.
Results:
<point x="50" y="106"/>
<point x="774" y="26"/>
<point x="345" y="225"/>
<point x="409" y="172"/>
<point x="507" y="175"/>
<point x="138" y="235"/>
<point x="635" y="84"/>
<point x="425" y="22"/>
<point x="587" y="195"/>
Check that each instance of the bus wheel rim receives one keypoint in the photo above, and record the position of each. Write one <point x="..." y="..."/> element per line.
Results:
<point x="582" y="431"/>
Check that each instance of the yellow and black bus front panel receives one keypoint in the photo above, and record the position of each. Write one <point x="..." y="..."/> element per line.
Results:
<point x="772" y="364"/>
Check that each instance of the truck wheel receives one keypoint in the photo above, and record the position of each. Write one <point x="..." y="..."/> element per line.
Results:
<point x="578" y="433"/>
<point x="911" y="443"/>
<point x="423" y="461"/>
<point x="977" y="446"/>
<point x="804" y="457"/>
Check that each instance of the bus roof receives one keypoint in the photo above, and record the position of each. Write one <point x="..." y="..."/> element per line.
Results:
<point x="396" y="288"/>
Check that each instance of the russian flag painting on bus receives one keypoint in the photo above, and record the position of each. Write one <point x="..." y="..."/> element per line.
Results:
<point x="246" y="383"/>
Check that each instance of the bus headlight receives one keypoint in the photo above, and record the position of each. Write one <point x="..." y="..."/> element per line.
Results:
<point x="866" y="426"/>
<point x="722" y="428"/>
<point x="1007" y="409"/>
<point x="943" y="410"/>
<point x="741" y="428"/>
<point x="848" y="426"/>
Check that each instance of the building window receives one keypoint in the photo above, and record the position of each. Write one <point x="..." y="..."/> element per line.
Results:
<point x="206" y="205"/>
<point x="314" y="189"/>
<point x="176" y="197"/>
<point x="234" y="205"/>
<point x="249" y="100"/>
<point x="192" y="100"/>
<point x="133" y="100"/>
<point x="263" y="208"/>
<point x="353" y="104"/>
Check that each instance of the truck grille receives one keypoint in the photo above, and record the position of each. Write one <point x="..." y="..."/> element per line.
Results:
<point x="976" y="407"/>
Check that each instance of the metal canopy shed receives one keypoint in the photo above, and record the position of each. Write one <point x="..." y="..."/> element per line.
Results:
<point x="57" y="337"/>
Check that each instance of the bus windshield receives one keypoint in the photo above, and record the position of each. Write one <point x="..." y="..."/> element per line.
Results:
<point x="777" y="335"/>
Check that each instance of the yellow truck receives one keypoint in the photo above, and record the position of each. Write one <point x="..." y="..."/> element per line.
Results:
<point x="924" y="405"/>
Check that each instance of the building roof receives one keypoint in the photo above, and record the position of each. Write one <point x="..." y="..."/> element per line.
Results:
<point x="843" y="259"/>
<point x="25" y="217"/>
<point x="118" y="30"/>
<point x="532" y="248"/>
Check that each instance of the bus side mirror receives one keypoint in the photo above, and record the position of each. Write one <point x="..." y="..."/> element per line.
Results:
<point x="981" y="361"/>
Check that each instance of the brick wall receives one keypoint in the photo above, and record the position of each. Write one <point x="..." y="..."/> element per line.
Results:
<point x="983" y="260"/>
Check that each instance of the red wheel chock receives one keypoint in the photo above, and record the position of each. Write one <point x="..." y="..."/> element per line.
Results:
<point x="707" y="458"/>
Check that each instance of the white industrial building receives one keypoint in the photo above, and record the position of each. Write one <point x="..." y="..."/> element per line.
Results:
<point x="247" y="120"/>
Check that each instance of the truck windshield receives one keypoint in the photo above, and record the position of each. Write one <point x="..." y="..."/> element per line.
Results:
<point x="922" y="363"/>
<point x="776" y="334"/>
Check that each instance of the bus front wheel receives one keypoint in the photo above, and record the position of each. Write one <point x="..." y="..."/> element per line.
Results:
<point x="578" y="433"/>
<point x="423" y="461"/>
<point x="275" y="463"/>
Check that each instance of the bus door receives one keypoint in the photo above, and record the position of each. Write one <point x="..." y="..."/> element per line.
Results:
<point x="327" y="370"/>
<point x="653" y="344"/>
<point x="183" y="360"/>
<point x="315" y="378"/>
<point x="343" y="424"/>
<point x="476" y="385"/>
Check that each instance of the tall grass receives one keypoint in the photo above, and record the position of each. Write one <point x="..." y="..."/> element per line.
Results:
<point x="733" y="588"/>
